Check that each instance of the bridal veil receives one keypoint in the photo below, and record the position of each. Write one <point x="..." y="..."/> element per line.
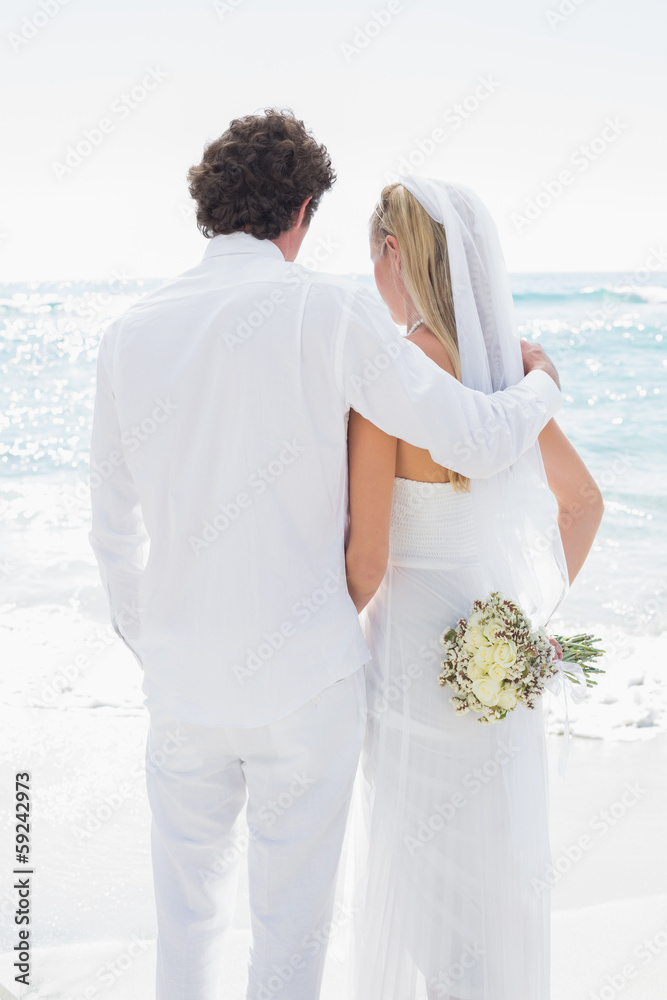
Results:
<point x="514" y="507"/>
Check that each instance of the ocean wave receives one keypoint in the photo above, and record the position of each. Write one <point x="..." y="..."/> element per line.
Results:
<point x="526" y="289"/>
<point x="596" y="293"/>
<point x="29" y="304"/>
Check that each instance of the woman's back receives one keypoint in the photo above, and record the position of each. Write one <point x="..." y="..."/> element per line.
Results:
<point x="416" y="463"/>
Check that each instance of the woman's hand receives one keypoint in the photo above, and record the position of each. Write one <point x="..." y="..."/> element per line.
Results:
<point x="557" y="646"/>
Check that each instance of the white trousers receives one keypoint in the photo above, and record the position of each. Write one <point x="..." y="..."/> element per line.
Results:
<point x="297" y="776"/>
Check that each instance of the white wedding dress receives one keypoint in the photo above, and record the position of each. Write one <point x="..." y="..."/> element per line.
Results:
<point x="449" y="846"/>
<point x="449" y="876"/>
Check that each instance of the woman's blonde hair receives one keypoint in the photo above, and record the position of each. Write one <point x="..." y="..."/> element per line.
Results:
<point x="424" y="269"/>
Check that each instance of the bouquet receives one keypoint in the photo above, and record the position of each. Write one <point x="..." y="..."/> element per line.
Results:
<point x="495" y="659"/>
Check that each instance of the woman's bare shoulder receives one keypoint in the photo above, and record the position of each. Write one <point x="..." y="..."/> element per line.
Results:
<point x="432" y="348"/>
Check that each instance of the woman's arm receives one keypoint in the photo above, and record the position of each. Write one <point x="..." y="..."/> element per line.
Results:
<point x="580" y="504"/>
<point x="372" y="463"/>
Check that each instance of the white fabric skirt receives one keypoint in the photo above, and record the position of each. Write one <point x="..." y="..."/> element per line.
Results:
<point x="450" y="825"/>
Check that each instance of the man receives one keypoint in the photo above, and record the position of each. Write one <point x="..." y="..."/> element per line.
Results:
<point x="219" y="438"/>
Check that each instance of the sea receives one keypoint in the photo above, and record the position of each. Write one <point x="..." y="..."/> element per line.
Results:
<point x="607" y="334"/>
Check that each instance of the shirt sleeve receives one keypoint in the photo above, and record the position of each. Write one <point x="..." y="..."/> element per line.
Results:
<point x="118" y="536"/>
<point x="392" y="383"/>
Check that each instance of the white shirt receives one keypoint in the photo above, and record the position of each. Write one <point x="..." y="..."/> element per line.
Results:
<point x="219" y="453"/>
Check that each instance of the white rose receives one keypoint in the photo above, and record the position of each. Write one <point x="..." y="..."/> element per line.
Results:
<point x="487" y="690"/>
<point x="484" y="657"/>
<point x="475" y="638"/>
<point x="505" y="652"/>
<point x="507" y="698"/>
<point x="497" y="671"/>
<point x="493" y="627"/>
<point x="475" y="671"/>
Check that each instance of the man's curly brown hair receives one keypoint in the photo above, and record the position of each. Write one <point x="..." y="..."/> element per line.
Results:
<point x="255" y="177"/>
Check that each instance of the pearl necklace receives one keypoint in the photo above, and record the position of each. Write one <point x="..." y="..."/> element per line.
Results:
<point x="414" y="327"/>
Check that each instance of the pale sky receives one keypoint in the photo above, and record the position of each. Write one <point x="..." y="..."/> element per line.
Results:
<point x="371" y="86"/>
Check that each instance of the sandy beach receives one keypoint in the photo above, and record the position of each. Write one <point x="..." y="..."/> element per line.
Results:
<point x="94" y="923"/>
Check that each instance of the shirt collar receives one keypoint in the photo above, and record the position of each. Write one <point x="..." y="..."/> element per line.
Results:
<point x="241" y="243"/>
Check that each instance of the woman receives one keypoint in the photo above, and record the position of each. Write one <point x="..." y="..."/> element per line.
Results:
<point x="457" y="842"/>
